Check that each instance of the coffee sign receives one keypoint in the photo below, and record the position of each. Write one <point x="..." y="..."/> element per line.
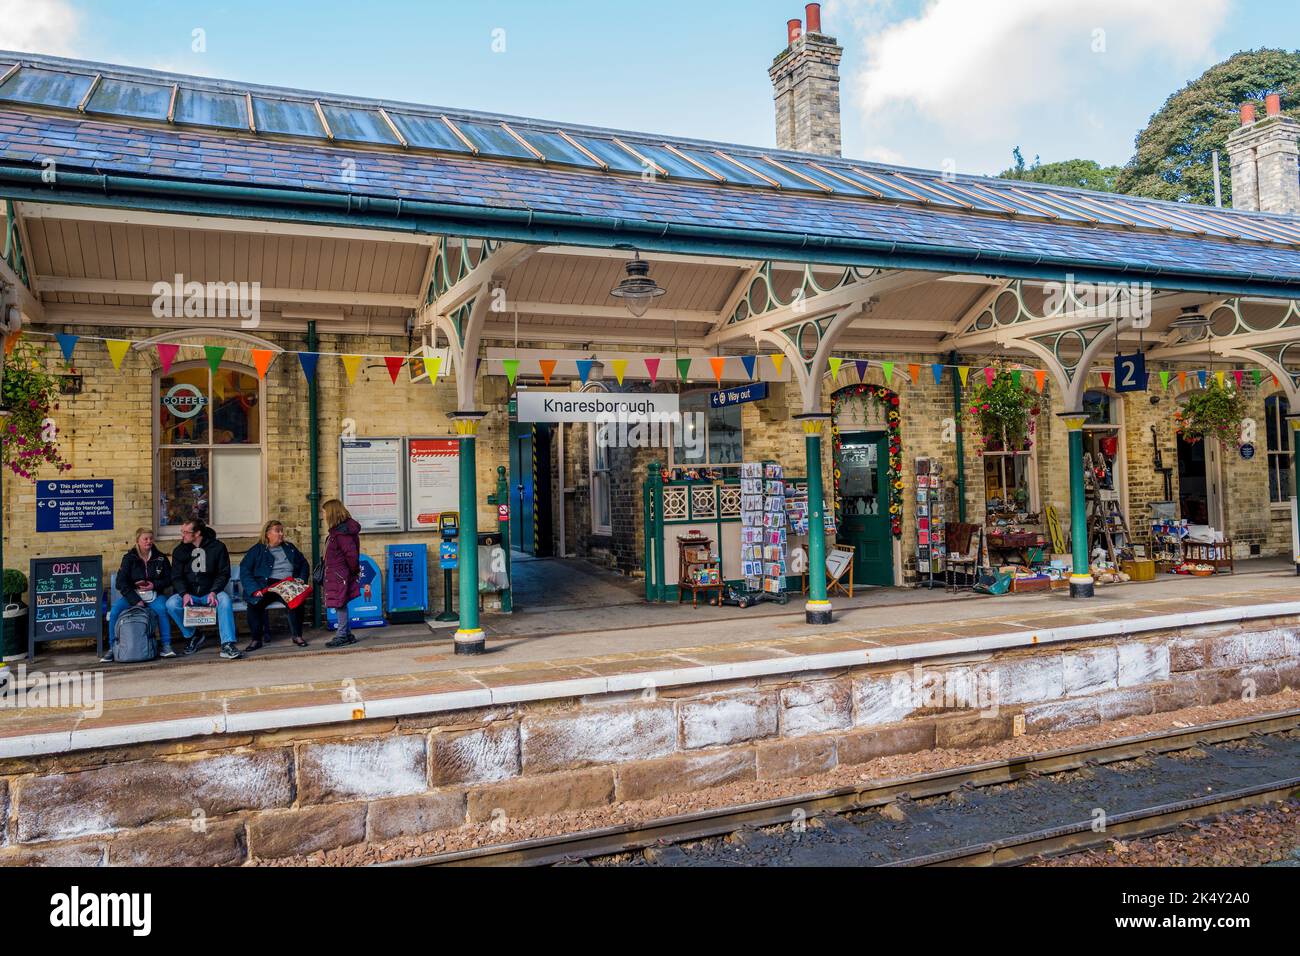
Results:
<point x="184" y="400"/>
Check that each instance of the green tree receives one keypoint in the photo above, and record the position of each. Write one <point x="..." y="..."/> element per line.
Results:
<point x="1173" y="157"/>
<point x="1076" y="173"/>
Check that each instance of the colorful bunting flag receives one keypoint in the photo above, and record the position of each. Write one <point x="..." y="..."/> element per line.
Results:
<point x="67" y="342"/>
<point x="1105" y="379"/>
<point x="309" y="360"/>
<point x="547" y="367"/>
<point x="1218" y="377"/>
<point x="432" y="366"/>
<point x="1164" y="381"/>
<point x="652" y="369"/>
<point x="778" y="360"/>
<point x="584" y="369"/>
<point x="718" y="363"/>
<point x="1236" y="374"/>
<point x="394" y="363"/>
<point x="937" y="372"/>
<point x="1040" y="379"/>
<point x="683" y="368"/>
<point x="620" y="369"/>
<point x="1015" y="377"/>
<point x="889" y="372"/>
<point x="835" y="366"/>
<point x="963" y="371"/>
<point x="262" y="359"/>
<point x="989" y="375"/>
<point x="1258" y="375"/>
<point x="353" y="362"/>
<point x="1201" y="375"/>
<point x="862" y="365"/>
<point x="511" y="368"/>
<point x="1182" y="380"/>
<point x="914" y="372"/>
<point x="167" y="354"/>
<point x="214" y="354"/>
<point x="751" y="365"/>
<point x="117" y="351"/>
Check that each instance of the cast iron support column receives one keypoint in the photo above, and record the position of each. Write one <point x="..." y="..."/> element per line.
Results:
<point x="313" y="457"/>
<point x="818" y="608"/>
<point x="1081" y="585"/>
<point x="469" y="636"/>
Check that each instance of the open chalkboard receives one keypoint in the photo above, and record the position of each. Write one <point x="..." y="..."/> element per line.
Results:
<point x="65" y="601"/>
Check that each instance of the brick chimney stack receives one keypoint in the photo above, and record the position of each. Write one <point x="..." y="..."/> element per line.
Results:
<point x="1264" y="153"/>
<point x="806" y="87"/>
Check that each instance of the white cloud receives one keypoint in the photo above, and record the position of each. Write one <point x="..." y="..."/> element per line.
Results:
<point x="39" y="26"/>
<point x="983" y="68"/>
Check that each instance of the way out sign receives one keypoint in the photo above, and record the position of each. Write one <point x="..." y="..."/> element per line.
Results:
<point x="1131" y="373"/>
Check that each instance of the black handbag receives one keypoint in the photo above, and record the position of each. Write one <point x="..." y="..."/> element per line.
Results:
<point x="318" y="573"/>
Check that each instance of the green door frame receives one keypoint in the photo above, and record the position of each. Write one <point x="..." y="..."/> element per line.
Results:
<point x="876" y="527"/>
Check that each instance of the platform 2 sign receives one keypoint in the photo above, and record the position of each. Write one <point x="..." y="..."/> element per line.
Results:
<point x="65" y="600"/>
<point x="84" y="505"/>
<point x="1131" y="373"/>
<point x="408" y="583"/>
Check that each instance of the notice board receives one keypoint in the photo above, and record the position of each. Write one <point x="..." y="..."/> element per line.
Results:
<point x="65" y="599"/>
<point x="78" y="505"/>
<point x="370" y="472"/>
<point x="432" y="481"/>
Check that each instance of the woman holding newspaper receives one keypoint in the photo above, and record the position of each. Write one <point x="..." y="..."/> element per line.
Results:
<point x="273" y="573"/>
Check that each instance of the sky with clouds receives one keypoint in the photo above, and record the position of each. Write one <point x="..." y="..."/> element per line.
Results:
<point x="929" y="83"/>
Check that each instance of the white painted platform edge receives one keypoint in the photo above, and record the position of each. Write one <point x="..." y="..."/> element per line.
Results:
<point x="50" y="743"/>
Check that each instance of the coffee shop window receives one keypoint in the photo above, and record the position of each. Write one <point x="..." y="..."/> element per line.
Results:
<point x="209" y="448"/>
<point x="708" y="437"/>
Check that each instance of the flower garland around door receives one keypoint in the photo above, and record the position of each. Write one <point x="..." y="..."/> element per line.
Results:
<point x="888" y="398"/>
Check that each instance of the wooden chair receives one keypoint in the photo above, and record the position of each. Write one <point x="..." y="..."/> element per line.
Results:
<point x="836" y="581"/>
<point x="965" y="562"/>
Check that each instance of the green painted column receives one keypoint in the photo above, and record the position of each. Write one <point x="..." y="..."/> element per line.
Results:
<point x="469" y="637"/>
<point x="1081" y="584"/>
<point x="1295" y="463"/>
<point x="818" y="608"/>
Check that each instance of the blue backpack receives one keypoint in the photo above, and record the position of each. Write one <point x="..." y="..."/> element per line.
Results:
<point x="134" y="636"/>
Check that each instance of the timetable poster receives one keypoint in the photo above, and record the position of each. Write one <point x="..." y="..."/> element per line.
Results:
<point x="432" y="481"/>
<point x="371" y="470"/>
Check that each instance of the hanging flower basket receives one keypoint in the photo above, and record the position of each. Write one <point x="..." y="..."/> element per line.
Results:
<point x="1216" y="411"/>
<point x="1005" y="411"/>
<point x="28" y="395"/>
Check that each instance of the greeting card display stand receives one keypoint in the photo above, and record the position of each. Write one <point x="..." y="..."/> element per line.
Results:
<point x="763" y="529"/>
<point x="931" y="518"/>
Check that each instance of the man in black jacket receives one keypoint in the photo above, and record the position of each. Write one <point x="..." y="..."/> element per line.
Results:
<point x="200" y="573"/>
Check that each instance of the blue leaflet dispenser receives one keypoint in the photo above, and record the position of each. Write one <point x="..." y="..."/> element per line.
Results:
<point x="366" y="610"/>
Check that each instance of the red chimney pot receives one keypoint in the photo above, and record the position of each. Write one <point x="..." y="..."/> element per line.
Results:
<point x="1273" y="104"/>
<point x="793" y="29"/>
<point x="1247" y="113"/>
<point x="813" y="14"/>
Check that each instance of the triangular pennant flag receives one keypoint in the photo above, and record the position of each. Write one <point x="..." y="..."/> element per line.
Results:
<point x="167" y="354"/>
<point x="652" y="369"/>
<point x="1218" y="377"/>
<point x="1015" y="377"/>
<point x="989" y="375"/>
<point x="751" y="365"/>
<point x="914" y="371"/>
<point x="835" y="366"/>
<point x="937" y="372"/>
<point x="432" y="366"/>
<point x="117" y="351"/>
<point x="1201" y="375"/>
<point x="778" y="360"/>
<point x="214" y="353"/>
<point x="1236" y="374"/>
<point x="620" y="369"/>
<point x="67" y="342"/>
<point x="11" y="341"/>
<point x="309" y="360"/>
<point x="1275" y="382"/>
<point x="1105" y="379"/>
<point x="1182" y="380"/>
<point x="547" y="367"/>
<point x="1164" y="381"/>
<point x="718" y="363"/>
<point x="584" y="369"/>
<point x="511" y="367"/>
<point x="1258" y="375"/>
<point x="889" y="372"/>
<point x="262" y="359"/>
<point x="350" y="365"/>
<point x="394" y="363"/>
<point x="963" y="371"/>
<point x="863" y="365"/>
<point x="1040" y="379"/>
<point x="683" y="368"/>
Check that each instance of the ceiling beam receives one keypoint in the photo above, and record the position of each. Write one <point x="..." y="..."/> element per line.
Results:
<point x="28" y="304"/>
<point x="145" y="288"/>
<point x="608" y="312"/>
<point x="505" y="332"/>
<point x="119" y="316"/>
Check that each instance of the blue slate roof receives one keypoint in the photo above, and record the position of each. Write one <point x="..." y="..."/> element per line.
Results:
<point x="138" y="123"/>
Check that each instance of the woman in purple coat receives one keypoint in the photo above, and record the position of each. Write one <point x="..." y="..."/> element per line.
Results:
<point x="342" y="567"/>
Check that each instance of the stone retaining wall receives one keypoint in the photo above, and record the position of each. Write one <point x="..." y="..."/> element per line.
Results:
<point x="231" y="798"/>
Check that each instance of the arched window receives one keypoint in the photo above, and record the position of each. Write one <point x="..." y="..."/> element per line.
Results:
<point x="1281" y="481"/>
<point x="209" y="437"/>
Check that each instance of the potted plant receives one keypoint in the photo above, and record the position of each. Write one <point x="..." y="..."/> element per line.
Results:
<point x="1216" y="411"/>
<point x="1006" y="412"/>
<point x="28" y="395"/>
<point x="13" y="644"/>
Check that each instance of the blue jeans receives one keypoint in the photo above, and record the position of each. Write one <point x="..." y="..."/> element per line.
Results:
<point x="164" y="622"/>
<point x="225" y="615"/>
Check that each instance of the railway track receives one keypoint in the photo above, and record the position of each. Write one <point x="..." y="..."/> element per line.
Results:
<point x="669" y="831"/>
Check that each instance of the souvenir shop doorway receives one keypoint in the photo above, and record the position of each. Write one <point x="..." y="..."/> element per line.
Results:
<point x="1198" y="486"/>
<point x="862" y="461"/>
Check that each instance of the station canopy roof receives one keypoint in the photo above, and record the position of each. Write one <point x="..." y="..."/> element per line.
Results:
<point x="181" y="146"/>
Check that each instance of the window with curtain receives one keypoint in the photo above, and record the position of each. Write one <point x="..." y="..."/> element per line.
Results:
<point x="209" y="448"/>
<point x="600" y="496"/>
<point x="1281" y="479"/>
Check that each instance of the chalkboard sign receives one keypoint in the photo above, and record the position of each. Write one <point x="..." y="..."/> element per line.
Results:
<point x="65" y="601"/>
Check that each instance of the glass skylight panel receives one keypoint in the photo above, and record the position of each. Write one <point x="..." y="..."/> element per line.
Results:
<point x="492" y="140"/>
<point x="358" y="126"/>
<point x="786" y="179"/>
<point x="847" y="185"/>
<point x="555" y="148"/>
<point x="675" y="166"/>
<point x="428" y="132"/>
<point x="202" y="108"/>
<point x="47" y="88"/>
<point x="729" y="171"/>
<point x="618" y="158"/>
<point x="122" y="98"/>
<point x="287" y="117"/>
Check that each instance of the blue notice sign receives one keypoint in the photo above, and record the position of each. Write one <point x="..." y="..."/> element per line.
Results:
<point x="408" y="582"/>
<point x="366" y="610"/>
<point x="754" y="392"/>
<point x="1131" y="373"/>
<point x="85" y="505"/>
